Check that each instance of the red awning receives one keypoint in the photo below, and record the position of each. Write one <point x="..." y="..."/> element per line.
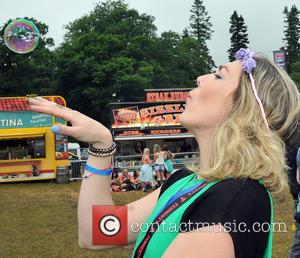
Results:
<point x="20" y="104"/>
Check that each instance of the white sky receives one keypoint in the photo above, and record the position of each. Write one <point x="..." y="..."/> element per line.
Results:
<point x="264" y="18"/>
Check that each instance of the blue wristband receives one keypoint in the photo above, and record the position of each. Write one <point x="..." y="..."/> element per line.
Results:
<point x="104" y="172"/>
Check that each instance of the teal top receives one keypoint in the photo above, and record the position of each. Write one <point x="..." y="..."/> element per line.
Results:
<point x="162" y="237"/>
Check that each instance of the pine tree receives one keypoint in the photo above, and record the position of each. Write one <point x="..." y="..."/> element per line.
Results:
<point x="292" y="35"/>
<point x="201" y="29"/>
<point x="185" y="33"/>
<point x="239" y="36"/>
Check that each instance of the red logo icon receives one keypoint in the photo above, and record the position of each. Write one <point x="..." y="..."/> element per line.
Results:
<point x="109" y="225"/>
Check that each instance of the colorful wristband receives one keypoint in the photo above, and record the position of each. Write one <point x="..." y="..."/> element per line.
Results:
<point x="100" y="172"/>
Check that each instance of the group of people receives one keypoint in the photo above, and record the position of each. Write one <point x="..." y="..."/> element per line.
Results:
<point x="153" y="173"/>
<point x="125" y="182"/>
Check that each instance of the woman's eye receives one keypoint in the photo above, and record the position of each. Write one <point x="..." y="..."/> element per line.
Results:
<point x="217" y="76"/>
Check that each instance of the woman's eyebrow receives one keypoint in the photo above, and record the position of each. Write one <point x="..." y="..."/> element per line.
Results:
<point x="225" y="67"/>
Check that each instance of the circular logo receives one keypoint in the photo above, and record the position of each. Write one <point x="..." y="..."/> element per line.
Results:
<point x="109" y="225"/>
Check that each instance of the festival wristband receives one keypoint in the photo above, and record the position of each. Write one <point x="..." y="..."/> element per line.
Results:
<point x="101" y="172"/>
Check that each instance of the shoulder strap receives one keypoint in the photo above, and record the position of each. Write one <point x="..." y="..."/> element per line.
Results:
<point x="268" y="251"/>
<point x="146" y="248"/>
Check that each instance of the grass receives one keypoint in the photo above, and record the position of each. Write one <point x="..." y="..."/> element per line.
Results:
<point x="39" y="220"/>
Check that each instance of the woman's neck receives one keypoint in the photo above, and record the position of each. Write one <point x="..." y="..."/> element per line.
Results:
<point x="203" y="137"/>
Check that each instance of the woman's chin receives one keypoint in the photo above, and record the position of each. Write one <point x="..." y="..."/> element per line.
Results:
<point x="187" y="121"/>
<point x="183" y="119"/>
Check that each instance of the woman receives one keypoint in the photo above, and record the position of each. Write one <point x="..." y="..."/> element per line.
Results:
<point x="240" y="134"/>
<point x="159" y="165"/>
<point x="115" y="182"/>
<point x="135" y="180"/>
<point x="125" y="181"/>
<point x="146" y="176"/>
<point x="168" y="163"/>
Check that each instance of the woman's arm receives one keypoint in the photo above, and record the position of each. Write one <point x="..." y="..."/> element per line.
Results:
<point x="90" y="195"/>
<point x="95" y="189"/>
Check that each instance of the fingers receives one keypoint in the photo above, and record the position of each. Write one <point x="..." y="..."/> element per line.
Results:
<point x="40" y="101"/>
<point x="63" y="130"/>
<point x="51" y="108"/>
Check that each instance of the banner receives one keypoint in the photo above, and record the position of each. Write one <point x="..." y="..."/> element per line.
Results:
<point x="127" y="117"/>
<point x="279" y="58"/>
<point x="167" y="95"/>
<point x="146" y="114"/>
<point x="148" y="132"/>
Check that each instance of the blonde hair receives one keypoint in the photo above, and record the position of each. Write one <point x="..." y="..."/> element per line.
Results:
<point x="242" y="146"/>
<point x="156" y="148"/>
<point x="145" y="152"/>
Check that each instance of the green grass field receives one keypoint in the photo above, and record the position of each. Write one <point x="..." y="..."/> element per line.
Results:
<point x="40" y="220"/>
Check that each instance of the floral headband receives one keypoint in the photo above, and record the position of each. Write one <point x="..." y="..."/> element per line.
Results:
<point x="245" y="56"/>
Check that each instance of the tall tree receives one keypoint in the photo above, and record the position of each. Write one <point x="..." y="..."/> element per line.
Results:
<point x="292" y="35"/>
<point x="239" y="36"/>
<point x="201" y="29"/>
<point x="295" y="75"/>
<point x="22" y="74"/>
<point x="185" y="33"/>
<point x="113" y="54"/>
<point x="105" y="58"/>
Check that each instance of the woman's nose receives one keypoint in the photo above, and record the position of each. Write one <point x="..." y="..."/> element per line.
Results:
<point x="198" y="80"/>
<point x="201" y="79"/>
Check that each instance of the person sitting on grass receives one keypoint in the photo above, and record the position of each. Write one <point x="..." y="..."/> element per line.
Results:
<point x="125" y="180"/>
<point x="135" y="181"/>
<point x="115" y="182"/>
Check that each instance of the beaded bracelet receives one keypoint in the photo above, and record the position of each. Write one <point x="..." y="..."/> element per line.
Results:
<point x="102" y="152"/>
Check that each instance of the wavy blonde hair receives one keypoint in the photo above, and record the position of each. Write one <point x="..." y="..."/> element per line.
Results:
<point x="242" y="146"/>
<point x="146" y="152"/>
<point x="156" y="148"/>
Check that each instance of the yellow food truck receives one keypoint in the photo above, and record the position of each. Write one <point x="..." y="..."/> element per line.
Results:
<point x="28" y="148"/>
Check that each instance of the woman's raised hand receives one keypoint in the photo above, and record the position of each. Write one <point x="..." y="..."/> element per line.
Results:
<point x="83" y="128"/>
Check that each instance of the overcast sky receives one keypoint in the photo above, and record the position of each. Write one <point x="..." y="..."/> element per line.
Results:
<point x="264" y="18"/>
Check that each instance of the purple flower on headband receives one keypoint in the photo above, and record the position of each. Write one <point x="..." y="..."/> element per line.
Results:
<point x="245" y="55"/>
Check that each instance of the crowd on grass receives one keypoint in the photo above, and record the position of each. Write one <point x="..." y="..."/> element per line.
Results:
<point x="153" y="173"/>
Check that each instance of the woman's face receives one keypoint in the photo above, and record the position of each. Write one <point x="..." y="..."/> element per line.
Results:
<point x="210" y="102"/>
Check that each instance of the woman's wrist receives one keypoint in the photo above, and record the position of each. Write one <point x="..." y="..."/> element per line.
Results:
<point x="104" y="144"/>
<point x="105" y="141"/>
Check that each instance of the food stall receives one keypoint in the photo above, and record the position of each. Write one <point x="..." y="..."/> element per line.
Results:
<point x="28" y="149"/>
<point x="137" y="125"/>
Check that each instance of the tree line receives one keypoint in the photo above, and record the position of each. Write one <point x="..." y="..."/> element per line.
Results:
<point x="113" y="53"/>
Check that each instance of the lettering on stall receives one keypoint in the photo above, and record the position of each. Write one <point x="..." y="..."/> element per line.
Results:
<point x="166" y="96"/>
<point x="151" y="132"/>
<point x="11" y="122"/>
<point x="40" y="118"/>
<point x="161" y="109"/>
<point x="128" y="133"/>
<point x="162" y="114"/>
<point x="171" y="131"/>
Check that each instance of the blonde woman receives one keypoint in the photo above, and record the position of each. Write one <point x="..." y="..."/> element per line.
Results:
<point x="146" y="176"/>
<point x="159" y="164"/>
<point x="241" y="116"/>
